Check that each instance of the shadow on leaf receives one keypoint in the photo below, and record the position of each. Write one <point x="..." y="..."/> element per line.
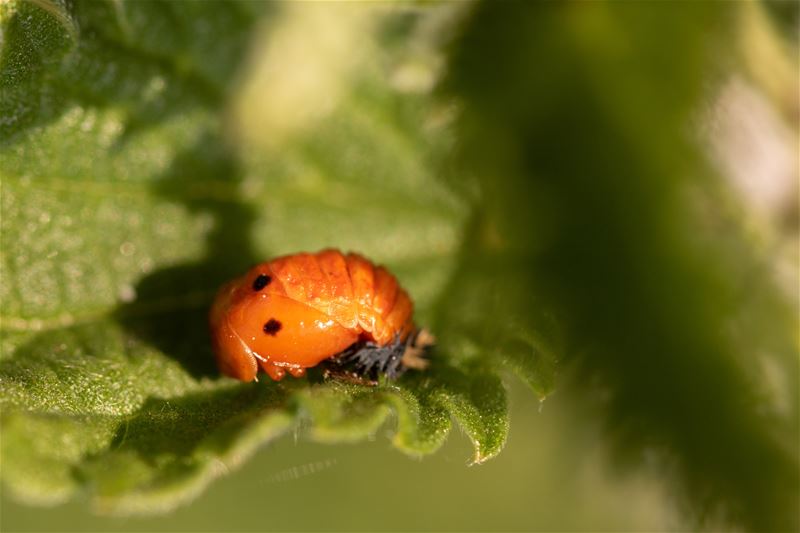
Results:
<point x="171" y="311"/>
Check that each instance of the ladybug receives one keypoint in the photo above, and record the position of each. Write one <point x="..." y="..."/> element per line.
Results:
<point x="296" y="311"/>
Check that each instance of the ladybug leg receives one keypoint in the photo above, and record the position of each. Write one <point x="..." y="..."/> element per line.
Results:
<point x="297" y="372"/>
<point x="273" y="371"/>
<point x="278" y="372"/>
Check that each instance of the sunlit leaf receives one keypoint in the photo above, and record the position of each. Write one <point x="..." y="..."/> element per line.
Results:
<point x="131" y="189"/>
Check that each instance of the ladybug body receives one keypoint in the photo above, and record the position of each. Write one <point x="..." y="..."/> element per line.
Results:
<point x="297" y="311"/>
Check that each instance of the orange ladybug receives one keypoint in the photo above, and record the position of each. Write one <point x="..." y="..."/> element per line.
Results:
<point x="296" y="311"/>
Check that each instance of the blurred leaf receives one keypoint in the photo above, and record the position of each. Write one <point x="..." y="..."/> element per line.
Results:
<point x="578" y="122"/>
<point x="124" y="207"/>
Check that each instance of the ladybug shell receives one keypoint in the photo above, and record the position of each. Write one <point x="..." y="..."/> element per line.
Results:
<point x="295" y="311"/>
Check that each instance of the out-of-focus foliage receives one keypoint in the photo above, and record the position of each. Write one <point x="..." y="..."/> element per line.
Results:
<point x="581" y="136"/>
<point x="567" y="219"/>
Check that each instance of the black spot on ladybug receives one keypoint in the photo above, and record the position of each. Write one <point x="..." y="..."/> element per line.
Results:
<point x="272" y="327"/>
<point x="261" y="281"/>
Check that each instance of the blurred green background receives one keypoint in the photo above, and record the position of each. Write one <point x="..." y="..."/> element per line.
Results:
<point x="594" y="205"/>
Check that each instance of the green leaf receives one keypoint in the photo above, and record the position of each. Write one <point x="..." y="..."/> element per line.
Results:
<point x="134" y="184"/>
